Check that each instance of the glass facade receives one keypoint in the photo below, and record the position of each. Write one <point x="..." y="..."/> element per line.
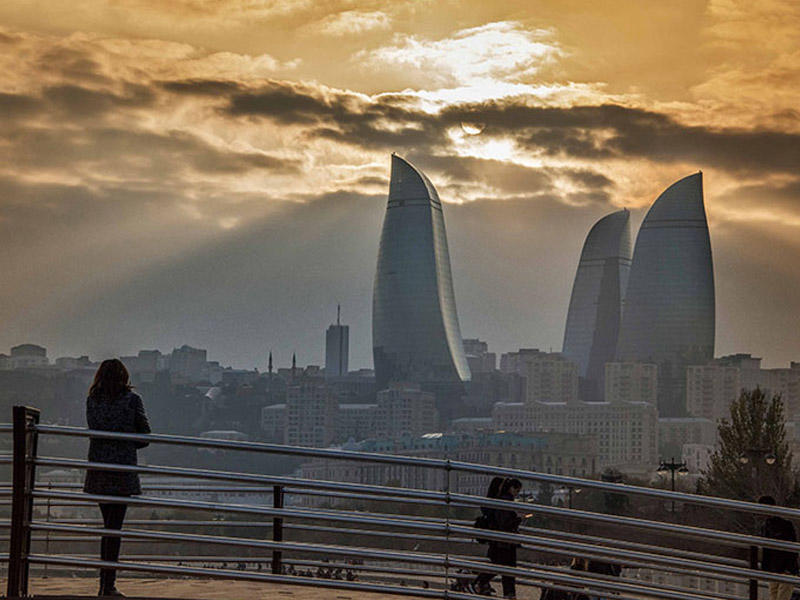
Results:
<point x="595" y="307"/>
<point x="415" y="331"/>
<point x="668" y="314"/>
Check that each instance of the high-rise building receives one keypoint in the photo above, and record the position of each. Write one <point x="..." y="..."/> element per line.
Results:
<point x="668" y="313"/>
<point x="337" y="348"/>
<point x="595" y="308"/>
<point x="415" y="331"/>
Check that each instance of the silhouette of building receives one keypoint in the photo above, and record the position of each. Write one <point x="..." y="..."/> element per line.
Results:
<point x="27" y="356"/>
<point x="337" y="348"/>
<point x="595" y="307"/>
<point x="415" y="332"/>
<point x="668" y="314"/>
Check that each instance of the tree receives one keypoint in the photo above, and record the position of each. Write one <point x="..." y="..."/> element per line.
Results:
<point x="752" y="457"/>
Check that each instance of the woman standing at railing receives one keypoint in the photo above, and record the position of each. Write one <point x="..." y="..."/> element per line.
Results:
<point x="112" y="406"/>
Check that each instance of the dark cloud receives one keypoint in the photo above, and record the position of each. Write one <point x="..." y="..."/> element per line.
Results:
<point x="131" y="152"/>
<point x="16" y="106"/>
<point x="514" y="179"/>
<point x="73" y="65"/>
<point x="80" y="102"/>
<point x="201" y="87"/>
<point x="613" y="131"/>
<point x="373" y="180"/>
<point x="389" y="123"/>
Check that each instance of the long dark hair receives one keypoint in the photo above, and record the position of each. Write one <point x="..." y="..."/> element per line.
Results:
<point x="494" y="487"/>
<point x="111" y="380"/>
<point x="508" y="484"/>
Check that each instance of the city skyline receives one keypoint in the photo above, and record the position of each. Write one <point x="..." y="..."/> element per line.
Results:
<point x="214" y="173"/>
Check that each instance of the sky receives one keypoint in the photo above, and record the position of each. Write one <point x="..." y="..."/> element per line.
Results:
<point x="214" y="172"/>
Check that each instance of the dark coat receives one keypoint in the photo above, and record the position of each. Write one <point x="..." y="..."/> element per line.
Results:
<point x="774" y="560"/>
<point x="124" y="414"/>
<point x="502" y="519"/>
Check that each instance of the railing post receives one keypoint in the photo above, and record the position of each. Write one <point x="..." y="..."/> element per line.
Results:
<point x="23" y="478"/>
<point x="277" y="529"/>
<point x="753" y="584"/>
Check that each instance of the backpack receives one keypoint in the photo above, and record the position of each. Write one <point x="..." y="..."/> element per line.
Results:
<point x="482" y="522"/>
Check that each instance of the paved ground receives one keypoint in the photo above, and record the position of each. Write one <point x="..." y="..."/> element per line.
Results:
<point x="203" y="589"/>
<point x="196" y="589"/>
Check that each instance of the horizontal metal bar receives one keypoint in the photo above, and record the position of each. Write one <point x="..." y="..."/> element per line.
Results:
<point x="611" y="542"/>
<point x="335" y="453"/>
<point x="293" y="482"/>
<point x="359" y="568"/>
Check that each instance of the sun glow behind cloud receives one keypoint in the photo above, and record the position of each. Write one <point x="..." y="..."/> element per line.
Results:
<point x="213" y="117"/>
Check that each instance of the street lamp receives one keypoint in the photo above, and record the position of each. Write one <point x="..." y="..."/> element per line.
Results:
<point x="672" y="467"/>
<point x="753" y="457"/>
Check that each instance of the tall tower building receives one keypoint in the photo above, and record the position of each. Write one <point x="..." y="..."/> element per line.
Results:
<point x="595" y="308"/>
<point x="668" y="315"/>
<point x="337" y="348"/>
<point x="415" y="332"/>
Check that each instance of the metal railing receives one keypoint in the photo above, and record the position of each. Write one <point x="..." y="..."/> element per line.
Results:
<point x="302" y="522"/>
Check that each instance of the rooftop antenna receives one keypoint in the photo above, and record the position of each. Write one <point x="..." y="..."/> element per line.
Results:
<point x="338" y="314"/>
<point x="270" y="363"/>
<point x="294" y="363"/>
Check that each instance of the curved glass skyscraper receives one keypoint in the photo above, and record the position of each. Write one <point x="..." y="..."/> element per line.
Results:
<point x="595" y="308"/>
<point x="668" y="317"/>
<point x="415" y="332"/>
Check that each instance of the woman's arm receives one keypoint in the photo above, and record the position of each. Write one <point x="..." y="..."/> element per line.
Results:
<point x="141" y="423"/>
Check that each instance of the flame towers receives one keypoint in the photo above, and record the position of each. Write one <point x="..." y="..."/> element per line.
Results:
<point x="415" y="330"/>
<point x="595" y="307"/>
<point x="668" y="314"/>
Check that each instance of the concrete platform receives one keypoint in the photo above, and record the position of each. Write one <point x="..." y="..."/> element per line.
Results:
<point x="73" y="588"/>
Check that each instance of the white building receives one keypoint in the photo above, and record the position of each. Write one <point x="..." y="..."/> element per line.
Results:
<point x="542" y="452"/>
<point x="626" y="432"/>
<point x="697" y="457"/>
<point x="311" y="412"/>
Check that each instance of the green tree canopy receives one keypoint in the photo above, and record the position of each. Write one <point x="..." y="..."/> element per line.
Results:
<point x="753" y="437"/>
